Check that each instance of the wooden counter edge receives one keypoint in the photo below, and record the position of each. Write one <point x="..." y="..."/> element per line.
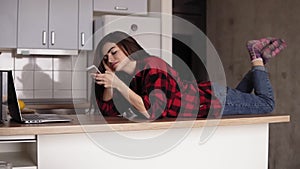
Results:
<point x="73" y="129"/>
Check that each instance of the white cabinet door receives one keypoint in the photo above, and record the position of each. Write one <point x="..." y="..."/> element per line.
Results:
<point x="85" y="25"/>
<point x="48" y="24"/>
<point x="121" y="6"/>
<point x="33" y="24"/>
<point x="8" y="23"/>
<point x="63" y="24"/>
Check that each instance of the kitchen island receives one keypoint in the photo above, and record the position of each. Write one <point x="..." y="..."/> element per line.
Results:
<point x="90" y="141"/>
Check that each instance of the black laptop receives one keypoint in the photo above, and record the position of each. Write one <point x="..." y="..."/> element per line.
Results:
<point x="15" y="112"/>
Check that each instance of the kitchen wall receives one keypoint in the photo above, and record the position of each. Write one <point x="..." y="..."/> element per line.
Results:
<point x="57" y="77"/>
<point x="230" y="23"/>
<point x="48" y="77"/>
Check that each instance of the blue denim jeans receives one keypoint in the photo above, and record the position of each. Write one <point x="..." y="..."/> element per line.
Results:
<point x="241" y="100"/>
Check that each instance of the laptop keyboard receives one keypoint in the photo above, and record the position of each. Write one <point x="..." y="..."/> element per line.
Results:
<point x="32" y="117"/>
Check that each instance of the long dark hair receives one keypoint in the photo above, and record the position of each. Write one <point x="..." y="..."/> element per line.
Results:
<point x="127" y="44"/>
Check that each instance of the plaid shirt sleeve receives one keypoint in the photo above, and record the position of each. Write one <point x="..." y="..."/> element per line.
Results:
<point x="107" y="108"/>
<point x="208" y="102"/>
<point x="168" y="100"/>
<point x="157" y="90"/>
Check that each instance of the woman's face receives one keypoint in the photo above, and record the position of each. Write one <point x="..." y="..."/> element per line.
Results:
<point x="114" y="57"/>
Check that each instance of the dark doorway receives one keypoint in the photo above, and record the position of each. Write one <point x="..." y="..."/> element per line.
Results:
<point x="193" y="11"/>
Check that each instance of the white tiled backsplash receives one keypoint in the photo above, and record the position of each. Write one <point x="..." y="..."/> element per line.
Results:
<point x="48" y="77"/>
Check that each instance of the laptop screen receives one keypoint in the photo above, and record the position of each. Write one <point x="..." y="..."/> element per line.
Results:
<point x="12" y="100"/>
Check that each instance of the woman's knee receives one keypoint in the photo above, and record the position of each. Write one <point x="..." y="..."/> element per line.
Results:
<point x="270" y="105"/>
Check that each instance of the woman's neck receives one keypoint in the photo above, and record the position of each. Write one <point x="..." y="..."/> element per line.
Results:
<point x="130" y="67"/>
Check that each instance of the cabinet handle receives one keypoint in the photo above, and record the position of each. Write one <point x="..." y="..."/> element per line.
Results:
<point x="82" y="38"/>
<point x="52" y="38"/>
<point x="44" y="37"/>
<point x="121" y="8"/>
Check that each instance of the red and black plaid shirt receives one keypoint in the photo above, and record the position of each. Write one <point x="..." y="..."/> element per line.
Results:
<point x="173" y="98"/>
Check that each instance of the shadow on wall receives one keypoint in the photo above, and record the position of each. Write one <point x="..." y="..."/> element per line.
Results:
<point x="36" y="80"/>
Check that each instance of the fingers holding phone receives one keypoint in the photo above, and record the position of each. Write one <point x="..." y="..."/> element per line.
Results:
<point x="107" y="79"/>
<point x="93" y="69"/>
<point x="100" y="78"/>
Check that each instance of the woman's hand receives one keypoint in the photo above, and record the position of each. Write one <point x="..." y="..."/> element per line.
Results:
<point x="107" y="79"/>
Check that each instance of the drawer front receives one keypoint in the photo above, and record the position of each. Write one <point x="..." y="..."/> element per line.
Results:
<point x="121" y="6"/>
<point x="21" y="137"/>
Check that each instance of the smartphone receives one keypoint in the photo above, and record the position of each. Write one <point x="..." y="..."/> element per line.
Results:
<point x="93" y="69"/>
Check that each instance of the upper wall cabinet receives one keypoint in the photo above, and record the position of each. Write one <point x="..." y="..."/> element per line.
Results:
<point x="8" y="23"/>
<point x="121" y="6"/>
<point x="49" y="24"/>
<point x="85" y="25"/>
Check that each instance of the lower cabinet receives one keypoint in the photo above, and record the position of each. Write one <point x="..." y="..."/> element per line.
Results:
<point x="234" y="147"/>
<point x="20" y="151"/>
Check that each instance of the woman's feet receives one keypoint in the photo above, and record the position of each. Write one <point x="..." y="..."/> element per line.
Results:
<point x="265" y="48"/>
<point x="274" y="48"/>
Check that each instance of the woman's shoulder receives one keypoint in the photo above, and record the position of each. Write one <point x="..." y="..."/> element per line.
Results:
<point x="154" y="63"/>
